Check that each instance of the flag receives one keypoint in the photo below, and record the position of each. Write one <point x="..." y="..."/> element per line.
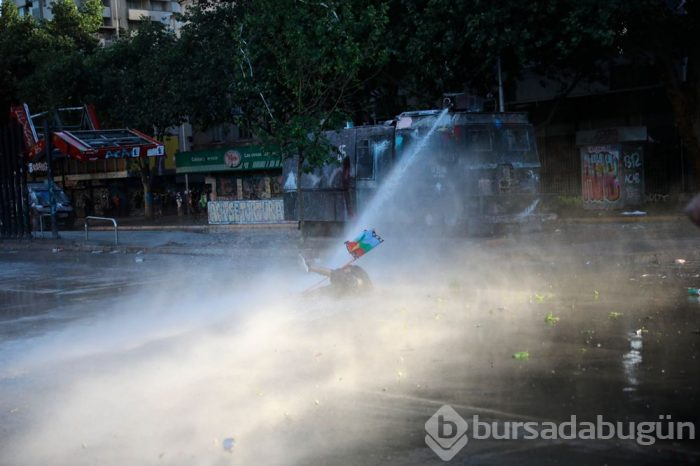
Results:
<point x="367" y="241"/>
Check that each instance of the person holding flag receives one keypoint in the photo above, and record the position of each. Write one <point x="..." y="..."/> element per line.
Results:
<point x="348" y="279"/>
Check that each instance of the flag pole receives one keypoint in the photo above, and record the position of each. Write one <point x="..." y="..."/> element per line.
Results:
<point x="316" y="285"/>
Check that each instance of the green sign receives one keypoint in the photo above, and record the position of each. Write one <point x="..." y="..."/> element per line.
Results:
<point x="231" y="159"/>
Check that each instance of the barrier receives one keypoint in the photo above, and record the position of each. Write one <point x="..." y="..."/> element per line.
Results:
<point x="109" y="219"/>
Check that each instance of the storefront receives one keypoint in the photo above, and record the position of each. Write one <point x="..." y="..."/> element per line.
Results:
<point x="243" y="184"/>
<point x="612" y="167"/>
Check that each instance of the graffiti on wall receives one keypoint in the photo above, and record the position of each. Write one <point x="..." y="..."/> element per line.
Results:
<point x="245" y="212"/>
<point x="633" y="163"/>
<point x="600" y="171"/>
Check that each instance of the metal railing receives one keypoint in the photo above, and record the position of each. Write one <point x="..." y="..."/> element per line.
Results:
<point x="109" y="219"/>
<point x="41" y="223"/>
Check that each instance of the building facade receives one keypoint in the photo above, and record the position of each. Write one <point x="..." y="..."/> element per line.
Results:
<point x="117" y="15"/>
<point x="628" y="97"/>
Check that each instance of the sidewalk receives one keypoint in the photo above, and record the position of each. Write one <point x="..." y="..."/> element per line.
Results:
<point x="174" y="222"/>
<point x="183" y="235"/>
<point x="190" y="223"/>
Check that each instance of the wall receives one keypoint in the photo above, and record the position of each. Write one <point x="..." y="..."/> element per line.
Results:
<point x="245" y="212"/>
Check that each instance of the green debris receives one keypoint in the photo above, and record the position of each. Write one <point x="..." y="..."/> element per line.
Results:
<point x="693" y="291"/>
<point x="551" y="319"/>
<point x="583" y="350"/>
<point x="521" y="356"/>
<point x="614" y="315"/>
<point x="596" y="294"/>
<point x="541" y="298"/>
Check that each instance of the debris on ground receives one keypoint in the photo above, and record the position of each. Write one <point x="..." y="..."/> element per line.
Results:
<point x="521" y="355"/>
<point x="228" y="444"/>
<point x="139" y="259"/>
<point x="550" y="319"/>
<point x="614" y="315"/>
<point x="634" y="213"/>
<point x="680" y="261"/>
<point x="57" y="250"/>
<point x="693" y="291"/>
<point x="541" y="298"/>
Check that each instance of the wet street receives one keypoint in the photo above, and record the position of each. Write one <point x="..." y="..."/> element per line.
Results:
<point x="149" y="356"/>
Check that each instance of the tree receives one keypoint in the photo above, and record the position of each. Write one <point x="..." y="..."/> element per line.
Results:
<point x="43" y="63"/>
<point x="209" y="62"/>
<point x="667" y="36"/>
<point x="441" y="45"/>
<point x="135" y="85"/>
<point x="301" y="69"/>
<point x="18" y="36"/>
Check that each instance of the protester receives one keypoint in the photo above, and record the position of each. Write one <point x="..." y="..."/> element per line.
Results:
<point x="346" y="280"/>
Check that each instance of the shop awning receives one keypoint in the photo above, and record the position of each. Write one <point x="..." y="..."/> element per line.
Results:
<point x="230" y="159"/>
<point x="82" y="139"/>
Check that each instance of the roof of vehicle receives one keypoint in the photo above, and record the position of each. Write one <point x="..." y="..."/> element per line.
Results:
<point x="426" y="118"/>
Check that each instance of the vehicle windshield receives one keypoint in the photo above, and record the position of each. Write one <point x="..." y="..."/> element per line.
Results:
<point x="42" y="197"/>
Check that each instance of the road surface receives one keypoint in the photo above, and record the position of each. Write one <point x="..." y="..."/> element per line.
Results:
<point x="203" y="349"/>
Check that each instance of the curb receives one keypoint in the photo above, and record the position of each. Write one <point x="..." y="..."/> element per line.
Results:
<point x="624" y="219"/>
<point x="208" y="227"/>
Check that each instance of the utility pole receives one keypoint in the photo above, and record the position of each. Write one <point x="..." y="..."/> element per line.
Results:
<point x="49" y="175"/>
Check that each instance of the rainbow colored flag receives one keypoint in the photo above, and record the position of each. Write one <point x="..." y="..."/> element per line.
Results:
<point x="367" y="241"/>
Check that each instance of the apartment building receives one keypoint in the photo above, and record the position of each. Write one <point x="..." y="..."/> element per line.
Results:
<point x="117" y="15"/>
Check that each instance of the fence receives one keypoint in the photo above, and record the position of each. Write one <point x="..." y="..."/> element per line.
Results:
<point x="14" y="204"/>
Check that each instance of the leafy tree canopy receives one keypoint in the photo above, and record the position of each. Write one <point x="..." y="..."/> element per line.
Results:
<point x="43" y="63"/>
<point x="134" y="81"/>
<point x="301" y="67"/>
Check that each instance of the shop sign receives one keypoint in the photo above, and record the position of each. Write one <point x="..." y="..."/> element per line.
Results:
<point x="228" y="159"/>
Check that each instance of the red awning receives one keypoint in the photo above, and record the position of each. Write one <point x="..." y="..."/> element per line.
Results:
<point x="85" y="141"/>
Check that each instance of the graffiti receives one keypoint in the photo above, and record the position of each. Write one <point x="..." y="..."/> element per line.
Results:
<point x="379" y="147"/>
<point x="607" y="135"/>
<point x="632" y="160"/>
<point x="600" y="170"/>
<point x="341" y="152"/>
<point x="657" y="198"/>
<point x="245" y="212"/>
<point x="633" y="178"/>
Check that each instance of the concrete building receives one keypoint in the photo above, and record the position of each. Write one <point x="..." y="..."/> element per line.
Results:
<point x="117" y="15"/>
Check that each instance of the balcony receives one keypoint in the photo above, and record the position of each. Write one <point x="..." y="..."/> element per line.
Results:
<point x="162" y="16"/>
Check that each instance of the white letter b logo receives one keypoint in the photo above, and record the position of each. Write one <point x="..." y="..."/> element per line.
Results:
<point x="447" y="433"/>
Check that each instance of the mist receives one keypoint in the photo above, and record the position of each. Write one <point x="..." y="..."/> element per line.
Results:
<point x="231" y="362"/>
